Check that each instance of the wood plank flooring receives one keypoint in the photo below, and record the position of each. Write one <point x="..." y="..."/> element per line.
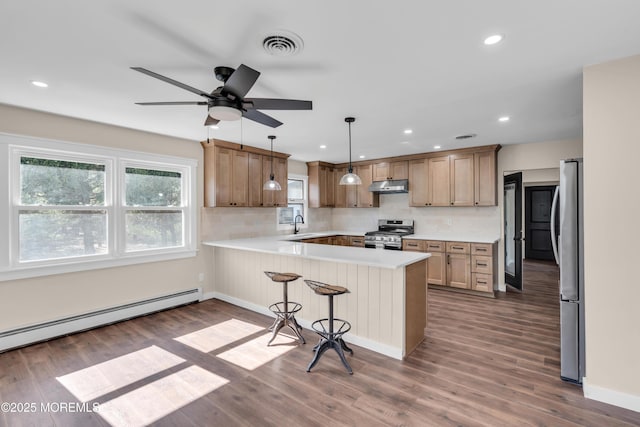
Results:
<point x="484" y="362"/>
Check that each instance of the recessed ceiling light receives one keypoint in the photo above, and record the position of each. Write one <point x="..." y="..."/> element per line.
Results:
<point x="504" y="119"/>
<point x="39" y="84"/>
<point x="214" y="127"/>
<point x="404" y="142"/>
<point x="496" y="38"/>
<point x="362" y="156"/>
<point x="323" y="146"/>
<point x="408" y="131"/>
<point x="437" y="147"/>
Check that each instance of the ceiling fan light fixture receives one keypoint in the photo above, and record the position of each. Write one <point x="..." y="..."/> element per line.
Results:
<point x="350" y="178"/>
<point x="224" y="113"/>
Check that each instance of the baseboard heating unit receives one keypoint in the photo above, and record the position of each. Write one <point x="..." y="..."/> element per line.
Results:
<point x="31" y="334"/>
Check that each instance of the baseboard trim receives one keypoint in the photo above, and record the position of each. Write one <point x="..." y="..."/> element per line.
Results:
<point x="387" y="350"/>
<point x="612" y="397"/>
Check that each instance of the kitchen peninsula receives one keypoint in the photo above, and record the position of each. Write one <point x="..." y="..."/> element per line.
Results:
<point x="386" y="305"/>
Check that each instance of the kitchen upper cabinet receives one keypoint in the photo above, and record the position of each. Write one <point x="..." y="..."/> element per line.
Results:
<point x="462" y="182"/>
<point x="365" y="198"/>
<point x="279" y="197"/>
<point x="234" y="175"/>
<point x="322" y="186"/>
<point x="439" y="191"/>
<point x="390" y="170"/>
<point x="418" y="182"/>
<point x="485" y="178"/>
<point x="340" y="191"/>
<point x="255" y="180"/>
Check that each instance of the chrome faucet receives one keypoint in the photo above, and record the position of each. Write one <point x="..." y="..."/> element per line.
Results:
<point x="296" y="230"/>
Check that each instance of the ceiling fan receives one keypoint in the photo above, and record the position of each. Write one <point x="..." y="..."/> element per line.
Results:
<point x="228" y="102"/>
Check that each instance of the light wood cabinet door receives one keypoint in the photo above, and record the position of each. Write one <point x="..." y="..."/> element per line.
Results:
<point x="327" y="187"/>
<point x="232" y="177"/>
<point x="240" y="181"/>
<point x="390" y="170"/>
<point x="439" y="188"/>
<point x="340" y="193"/>
<point x="418" y="182"/>
<point x="462" y="187"/>
<point x="482" y="282"/>
<point x="413" y="245"/>
<point x="224" y="176"/>
<point x="481" y="264"/>
<point x="436" y="269"/>
<point x="485" y="178"/>
<point x="365" y="198"/>
<point x="255" y="180"/>
<point x="459" y="270"/>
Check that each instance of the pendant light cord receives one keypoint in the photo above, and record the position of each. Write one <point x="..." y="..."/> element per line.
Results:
<point x="350" y="166"/>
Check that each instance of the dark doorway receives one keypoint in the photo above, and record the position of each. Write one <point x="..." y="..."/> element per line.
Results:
<point x="537" y="218"/>
<point x="513" y="230"/>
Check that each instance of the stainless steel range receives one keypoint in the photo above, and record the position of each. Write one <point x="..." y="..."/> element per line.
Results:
<point x="389" y="234"/>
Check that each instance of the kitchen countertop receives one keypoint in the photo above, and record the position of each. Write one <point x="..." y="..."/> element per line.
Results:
<point x="284" y="245"/>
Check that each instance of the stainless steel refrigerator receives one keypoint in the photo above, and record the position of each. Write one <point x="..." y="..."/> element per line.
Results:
<point x="569" y="254"/>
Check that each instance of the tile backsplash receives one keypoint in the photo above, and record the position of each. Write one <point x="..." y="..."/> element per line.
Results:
<point x="237" y="223"/>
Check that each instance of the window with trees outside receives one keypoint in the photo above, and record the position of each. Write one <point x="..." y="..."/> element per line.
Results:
<point x="75" y="207"/>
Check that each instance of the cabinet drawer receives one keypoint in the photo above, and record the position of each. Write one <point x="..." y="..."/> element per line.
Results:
<point x="356" y="241"/>
<point x="481" y="249"/>
<point x="482" y="282"/>
<point x="413" y="245"/>
<point x="434" y="246"/>
<point x="481" y="264"/>
<point x="458" y="247"/>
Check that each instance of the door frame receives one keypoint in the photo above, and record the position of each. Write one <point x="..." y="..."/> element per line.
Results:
<point x="514" y="281"/>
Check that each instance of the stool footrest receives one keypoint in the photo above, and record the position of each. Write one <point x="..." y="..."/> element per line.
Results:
<point x="279" y="309"/>
<point x="323" y="328"/>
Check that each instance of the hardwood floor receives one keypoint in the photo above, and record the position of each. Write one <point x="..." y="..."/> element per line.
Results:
<point x="484" y="362"/>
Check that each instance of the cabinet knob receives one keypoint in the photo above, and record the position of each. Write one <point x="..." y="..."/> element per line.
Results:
<point x="476" y="203"/>
<point x="451" y="203"/>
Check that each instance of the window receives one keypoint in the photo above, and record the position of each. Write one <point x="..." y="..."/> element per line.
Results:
<point x="75" y="207"/>
<point x="297" y="203"/>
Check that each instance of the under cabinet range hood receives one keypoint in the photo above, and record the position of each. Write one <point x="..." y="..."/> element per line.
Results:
<point x="390" y="186"/>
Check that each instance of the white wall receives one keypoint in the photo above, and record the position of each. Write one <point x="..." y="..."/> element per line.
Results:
<point x="612" y="203"/>
<point x="537" y="161"/>
<point x="31" y="301"/>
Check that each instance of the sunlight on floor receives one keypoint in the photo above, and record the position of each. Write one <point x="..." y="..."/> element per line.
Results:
<point x="103" y="378"/>
<point x="216" y="336"/>
<point x="153" y="401"/>
<point x="255" y="353"/>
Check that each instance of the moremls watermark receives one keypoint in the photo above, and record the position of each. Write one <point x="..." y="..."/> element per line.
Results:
<point x="48" y="407"/>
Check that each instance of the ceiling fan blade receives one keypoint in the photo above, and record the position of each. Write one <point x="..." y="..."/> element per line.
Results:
<point x="279" y="104"/>
<point x="261" y="118"/>
<point x="173" y="82"/>
<point x="174" y="103"/>
<point x="211" y="121"/>
<point x="241" y="81"/>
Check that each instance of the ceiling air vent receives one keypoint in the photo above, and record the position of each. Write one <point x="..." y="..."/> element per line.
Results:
<point x="282" y="43"/>
<point x="466" y="136"/>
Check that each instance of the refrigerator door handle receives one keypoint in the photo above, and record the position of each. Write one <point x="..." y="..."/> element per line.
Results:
<point x="554" y="207"/>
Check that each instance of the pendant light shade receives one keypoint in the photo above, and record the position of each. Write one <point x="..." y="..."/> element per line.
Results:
<point x="350" y="178"/>
<point x="272" y="184"/>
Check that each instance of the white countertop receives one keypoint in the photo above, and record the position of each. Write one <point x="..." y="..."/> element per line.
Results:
<point x="283" y="245"/>
<point x="449" y="236"/>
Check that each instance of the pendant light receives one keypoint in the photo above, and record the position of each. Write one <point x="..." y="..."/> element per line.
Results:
<point x="272" y="184"/>
<point x="350" y="178"/>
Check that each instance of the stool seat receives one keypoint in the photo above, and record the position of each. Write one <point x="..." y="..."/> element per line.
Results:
<point x="282" y="277"/>
<point x="284" y="310"/>
<point x="330" y="329"/>
<point x="325" y="289"/>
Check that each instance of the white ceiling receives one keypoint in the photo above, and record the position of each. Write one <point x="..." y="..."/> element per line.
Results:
<point x="393" y="65"/>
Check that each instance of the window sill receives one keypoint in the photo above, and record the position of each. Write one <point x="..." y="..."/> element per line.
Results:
<point x="25" y="272"/>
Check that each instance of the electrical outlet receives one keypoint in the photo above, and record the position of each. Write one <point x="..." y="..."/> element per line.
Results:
<point x="201" y="277"/>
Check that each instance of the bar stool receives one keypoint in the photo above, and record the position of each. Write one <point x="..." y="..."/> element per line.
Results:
<point x="330" y="329"/>
<point x="285" y="309"/>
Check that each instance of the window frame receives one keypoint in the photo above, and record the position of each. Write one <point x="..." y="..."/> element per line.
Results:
<point x="13" y="147"/>
<point x="304" y="201"/>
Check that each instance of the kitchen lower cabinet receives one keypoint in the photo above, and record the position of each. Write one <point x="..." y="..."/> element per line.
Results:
<point x="356" y="241"/>
<point x="458" y="266"/>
